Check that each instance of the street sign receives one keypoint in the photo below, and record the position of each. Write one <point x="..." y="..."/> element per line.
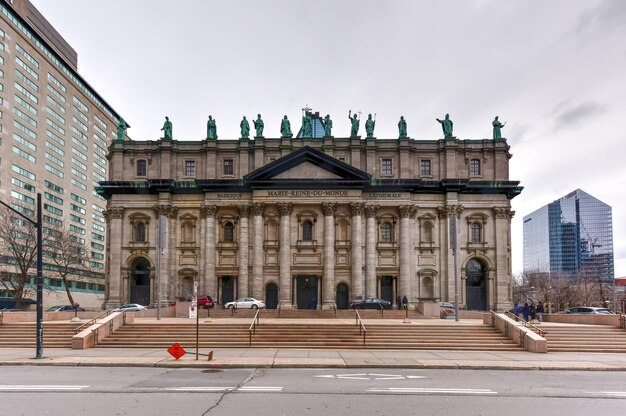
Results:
<point x="176" y="350"/>
<point x="193" y="311"/>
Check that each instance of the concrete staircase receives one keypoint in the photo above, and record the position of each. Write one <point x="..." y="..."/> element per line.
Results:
<point x="311" y="335"/>
<point x="310" y="314"/>
<point x="24" y="334"/>
<point x="585" y="338"/>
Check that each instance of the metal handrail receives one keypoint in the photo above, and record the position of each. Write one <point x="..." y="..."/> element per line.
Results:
<point x="524" y="323"/>
<point x="335" y="308"/>
<point x="252" y="329"/>
<point x="94" y="320"/>
<point x="1" y="317"/>
<point x="278" y="307"/>
<point x="622" y="321"/>
<point x="359" y="323"/>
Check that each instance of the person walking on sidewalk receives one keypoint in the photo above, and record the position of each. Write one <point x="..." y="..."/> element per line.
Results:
<point x="540" y="311"/>
<point x="526" y="311"/>
<point x="405" y="302"/>
<point x="399" y="302"/>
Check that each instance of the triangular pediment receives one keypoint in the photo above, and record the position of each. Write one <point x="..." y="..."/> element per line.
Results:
<point x="307" y="165"/>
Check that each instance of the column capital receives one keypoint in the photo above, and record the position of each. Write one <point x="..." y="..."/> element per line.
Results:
<point x="371" y="210"/>
<point x="407" y="211"/>
<point x="208" y="210"/>
<point x="244" y="210"/>
<point x="114" y="212"/>
<point x="503" y="212"/>
<point x="356" y="208"/>
<point x="449" y="210"/>
<point x="329" y="208"/>
<point x="285" y="208"/>
<point x="258" y="209"/>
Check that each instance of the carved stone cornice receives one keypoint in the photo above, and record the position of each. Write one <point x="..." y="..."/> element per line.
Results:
<point x="371" y="210"/>
<point x="208" y="211"/>
<point x="244" y="210"/>
<point x="356" y="208"/>
<point x="258" y="209"/>
<point x="449" y="210"/>
<point x="285" y="208"/>
<point x="329" y="208"/>
<point x="114" y="212"/>
<point x="160" y="209"/>
<point x="407" y="211"/>
<point x="503" y="212"/>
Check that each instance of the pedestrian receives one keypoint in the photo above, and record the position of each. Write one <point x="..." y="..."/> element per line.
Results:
<point x="540" y="311"/>
<point x="399" y="302"/>
<point x="533" y="311"/>
<point x="517" y="310"/>
<point x="405" y="302"/>
<point x="526" y="311"/>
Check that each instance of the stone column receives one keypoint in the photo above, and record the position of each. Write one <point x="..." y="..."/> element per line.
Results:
<point x="357" y="254"/>
<point x="257" y="250"/>
<point x="162" y="251"/>
<point x="243" y="286"/>
<point x="447" y="259"/>
<point x="328" y="292"/>
<point x="499" y="280"/>
<point x="171" y="254"/>
<point x="209" y="252"/>
<point x="404" y="284"/>
<point x="114" y="216"/>
<point x="371" y="256"/>
<point x="285" y="210"/>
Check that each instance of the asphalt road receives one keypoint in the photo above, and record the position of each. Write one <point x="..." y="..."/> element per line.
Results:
<point x="190" y="392"/>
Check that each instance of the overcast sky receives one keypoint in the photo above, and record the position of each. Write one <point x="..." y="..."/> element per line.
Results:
<point x="555" y="71"/>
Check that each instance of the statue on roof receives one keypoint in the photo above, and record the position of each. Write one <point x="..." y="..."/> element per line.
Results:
<point x="245" y="128"/>
<point x="259" y="125"/>
<point x="121" y="129"/>
<point x="497" y="134"/>
<point x="307" y="125"/>
<point x="369" y="126"/>
<point x="167" y="129"/>
<point x="354" y="120"/>
<point x="211" y="129"/>
<point x="328" y="126"/>
<point x="402" y="128"/>
<point x="446" y="125"/>
<point x="285" y="128"/>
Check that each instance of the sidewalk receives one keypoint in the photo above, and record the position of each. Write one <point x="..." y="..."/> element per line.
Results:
<point x="296" y="358"/>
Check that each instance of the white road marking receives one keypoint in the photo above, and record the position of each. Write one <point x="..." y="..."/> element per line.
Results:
<point x="226" y="389"/>
<point x="609" y="393"/>
<point x="39" y="387"/>
<point x="416" y="390"/>
<point x="368" y="376"/>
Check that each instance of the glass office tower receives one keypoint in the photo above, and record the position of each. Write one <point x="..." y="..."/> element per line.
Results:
<point x="572" y="235"/>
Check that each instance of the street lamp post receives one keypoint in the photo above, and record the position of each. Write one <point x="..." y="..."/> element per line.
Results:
<point x="38" y="225"/>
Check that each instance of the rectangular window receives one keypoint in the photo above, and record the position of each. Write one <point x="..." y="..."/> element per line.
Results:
<point x="425" y="168"/>
<point x="28" y="119"/>
<point x="56" y="93"/>
<point x="98" y="176"/>
<point x="20" y="183"/>
<point x="30" y="71"/>
<point x="79" y="184"/>
<point x="229" y="167"/>
<point x="77" y="229"/>
<point x="24" y="142"/>
<point x="56" y="82"/>
<point x="80" y="114"/>
<point x="78" y="199"/>
<point x="55" y="149"/>
<point x="190" y="168"/>
<point x="100" y="122"/>
<point x="56" y="104"/>
<point x="56" y="138"/>
<point x="54" y="171"/>
<point x="97" y="236"/>
<point x="80" y="104"/>
<point x="26" y="80"/>
<point x="474" y="167"/>
<point x="25" y="155"/>
<point x="24" y="198"/>
<point x="98" y="218"/>
<point x="27" y="93"/>
<point x="55" y="188"/>
<point x="53" y="209"/>
<point x="77" y="219"/>
<point x="79" y="144"/>
<point x="56" y="115"/>
<point x="55" y="160"/>
<point x="97" y="227"/>
<point x="26" y="55"/>
<point x="79" y="174"/>
<point x="53" y="221"/>
<point x="24" y="129"/>
<point x="23" y="172"/>
<point x="386" y="168"/>
<point x="78" y="209"/>
<point x="97" y="246"/>
<point x="80" y="123"/>
<point x="78" y="153"/>
<point x="97" y="208"/>
<point x="79" y="163"/>
<point x="55" y="126"/>
<point x="25" y="104"/>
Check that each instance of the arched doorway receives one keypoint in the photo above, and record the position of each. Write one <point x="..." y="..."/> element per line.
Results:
<point x="271" y="296"/>
<point x="306" y="292"/>
<point x="140" y="282"/>
<point x="343" y="300"/>
<point x="476" y="285"/>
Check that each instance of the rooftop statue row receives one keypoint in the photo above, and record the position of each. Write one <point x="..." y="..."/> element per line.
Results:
<point x="307" y="127"/>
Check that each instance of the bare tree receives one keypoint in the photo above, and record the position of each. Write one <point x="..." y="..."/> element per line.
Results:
<point x="18" y="246"/>
<point x="68" y="254"/>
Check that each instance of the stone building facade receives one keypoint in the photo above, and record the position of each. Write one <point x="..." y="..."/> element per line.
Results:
<point x="309" y="223"/>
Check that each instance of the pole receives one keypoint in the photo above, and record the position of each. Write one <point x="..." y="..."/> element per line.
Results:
<point x="453" y="246"/>
<point x="39" y="280"/>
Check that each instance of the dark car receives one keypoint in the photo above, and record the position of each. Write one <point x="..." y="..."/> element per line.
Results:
<point x="371" y="303"/>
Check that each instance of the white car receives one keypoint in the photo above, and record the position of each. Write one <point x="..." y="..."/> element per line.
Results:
<point x="245" y="303"/>
<point x="130" y="307"/>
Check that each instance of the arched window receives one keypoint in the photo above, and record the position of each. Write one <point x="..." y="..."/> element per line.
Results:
<point x="140" y="232"/>
<point x="476" y="231"/>
<point x="474" y="167"/>
<point x="142" y="168"/>
<point x="229" y="234"/>
<point x="427" y="232"/>
<point x="307" y="231"/>
<point x="386" y="232"/>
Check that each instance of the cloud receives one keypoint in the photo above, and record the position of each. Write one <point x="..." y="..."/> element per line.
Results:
<point x="607" y="17"/>
<point x="568" y="114"/>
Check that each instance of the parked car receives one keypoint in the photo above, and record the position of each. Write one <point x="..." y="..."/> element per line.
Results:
<point x="371" y="303"/>
<point x="11" y="310"/>
<point x="65" y="308"/>
<point x="204" y="301"/>
<point x="245" y="303"/>
<point x="130" y="307"/>
<point x="447" y="305"/>
<point x="589" y="309"/>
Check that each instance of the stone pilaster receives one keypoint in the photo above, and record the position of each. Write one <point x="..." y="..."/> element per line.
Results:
<point x="328" y="280"/>
<point x="447" y="259"/>
<point x="371" y="252"/>
<point x="172" y="254"/>
<point x="284" y="295"/>
<point x="210" y="280"/>
<point x="404" y="284"/>
<point x="243" y="284"/>
<point x="358" y="283"/>
<point x="257" y="250"/>
<point x="500" y="281"/>
<point x="114" y="217"/>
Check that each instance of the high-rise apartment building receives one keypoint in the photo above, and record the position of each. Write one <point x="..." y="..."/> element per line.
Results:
<point x="54" y="133"/>
<point x="572" y="235"/>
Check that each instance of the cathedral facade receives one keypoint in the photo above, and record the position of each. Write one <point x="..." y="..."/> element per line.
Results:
<point x="309" y="223"/>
